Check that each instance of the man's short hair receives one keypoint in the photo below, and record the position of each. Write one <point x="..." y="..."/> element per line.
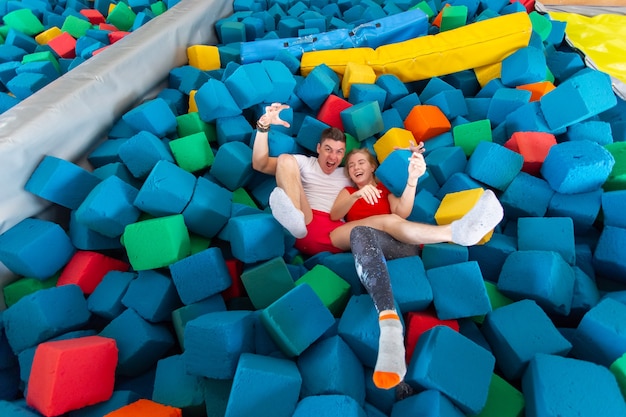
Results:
<point x="333" y="133"/>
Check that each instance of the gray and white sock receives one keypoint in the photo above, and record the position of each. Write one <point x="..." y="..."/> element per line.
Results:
<point x="480" y="220"/>
<point x="286" y="213"/>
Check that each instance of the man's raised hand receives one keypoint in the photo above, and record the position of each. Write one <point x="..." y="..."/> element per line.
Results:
<point x="272" y="115"/>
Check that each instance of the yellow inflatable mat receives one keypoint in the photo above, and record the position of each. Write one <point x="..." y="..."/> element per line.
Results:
<point x="467" y="47"/>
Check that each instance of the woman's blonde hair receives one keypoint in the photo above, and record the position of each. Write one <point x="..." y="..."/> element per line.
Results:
<point x="371" y="158"/>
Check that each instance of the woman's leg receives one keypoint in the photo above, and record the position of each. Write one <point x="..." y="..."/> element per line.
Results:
<point x="467" y="231"/>
<point x="369" y="248"/>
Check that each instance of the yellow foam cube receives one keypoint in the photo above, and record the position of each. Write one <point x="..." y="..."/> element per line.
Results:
<point x="356" y="74"/>
<point x="394" y="137"/>
<point x="192" y="102"/>
<point x="455" y="205"/>
<point x="204" y="57"/>
<point x="487" y="73"/>
<point x="47" y="35"/>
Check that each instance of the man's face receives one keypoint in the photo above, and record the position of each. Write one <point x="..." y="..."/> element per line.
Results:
<point x="330" y="153"/>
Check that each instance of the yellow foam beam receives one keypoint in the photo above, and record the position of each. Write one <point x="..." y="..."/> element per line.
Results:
<point x="471" y="46"/>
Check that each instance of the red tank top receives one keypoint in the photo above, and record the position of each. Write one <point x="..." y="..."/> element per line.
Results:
<point x="360" y="209"/>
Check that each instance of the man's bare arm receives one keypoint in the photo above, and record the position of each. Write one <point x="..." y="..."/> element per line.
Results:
<point x="261" y="159"/>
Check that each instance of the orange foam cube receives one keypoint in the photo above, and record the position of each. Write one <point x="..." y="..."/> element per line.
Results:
<point x="70" y="374"/>
<point x="537" y="90"/>
<point x="426" y="121"/>
<point x="146" y="408"/>
<point x="533" y="146"/>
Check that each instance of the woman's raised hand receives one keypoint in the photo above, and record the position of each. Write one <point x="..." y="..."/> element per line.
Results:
<point x="417" y="167"/>
<point x="272" y="115"/>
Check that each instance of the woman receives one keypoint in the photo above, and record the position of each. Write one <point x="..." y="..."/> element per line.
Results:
<point x="372" y="247"/>
<point x="375" y="218"/>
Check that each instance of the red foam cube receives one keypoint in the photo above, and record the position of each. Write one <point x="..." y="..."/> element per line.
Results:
<point x="86" y="269"/>
<point x="330" y="111"/>
<point x="94" y="16"/>
<point x="116" y="36"/>
<point x="418" y="322"/>
<point x="236" y="290"/>
<point x="70" y="374"/>
<point x="533" y="146"/>
<point x="63" y="45"/>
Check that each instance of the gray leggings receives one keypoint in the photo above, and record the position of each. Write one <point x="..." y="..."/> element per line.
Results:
<point x="371" y="249"/>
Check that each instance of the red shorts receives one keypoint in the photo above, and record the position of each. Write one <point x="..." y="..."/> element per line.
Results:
<point x="318" y="235"/>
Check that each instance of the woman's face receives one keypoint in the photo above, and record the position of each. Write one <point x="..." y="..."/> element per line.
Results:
<point x="360" y="169"/>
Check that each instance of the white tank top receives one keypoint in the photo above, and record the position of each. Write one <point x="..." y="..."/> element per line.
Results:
<point x="320" y="188"/>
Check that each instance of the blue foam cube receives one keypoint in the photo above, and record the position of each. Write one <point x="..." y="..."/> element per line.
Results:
<point x="232" y="166"/>
<point x="358" y="326"/>
<point x="547" y="234"/>
<point x="154" y="116"/>
<point x="582" y="208"/>
<point x="173" y="386"/>
<point x="607" y="257"/>
<point x="577" y="167"/>
<point x="109" y="208"/>
<point x="152" y="295"/>
<point x="297" y="319"/>
<point x="449" y="362"/>
<point x="526" y="196"/>
<point x="166" y="191"/>
<point x="209" y="208"/>
<point x="491" y="255"/>
<point x="445" y="161"/>
<point x="441" y="254"/>
<point x="524" y="66"/>
<point x="328" y="405"/>
<point x="583" y="95"/>
<point x="106" y="299"/>
<point x="264" y="386"/>
<point x="494" y="165"/>
<point x="265" y="243"/>
<point x="600" y="335"/>
<point x="223" y="336"/>
<point x="411" y="289"/>
<point x="61" y="182"/>
<point x="570" y="387"/>
<point x="184" y="314"/>
<point x="37" y="317"/>
<point x="428" y="402"/>
<point x="543" y="276"/>
<point x="458" y="291"/>
<point x="140" y="343"/>
<point x="249" y="84"/>
<point x="612" y="206"/>
<point x="141" y="152"/>
<point x="35" y="248"/>
<point x="362" y="120"/>
<point x="214" y="101"/>
<point x="191" y="278"/>
<point x="329" y="365"/>
<point x="517" y="332"/>
<point x="316" y="87"/>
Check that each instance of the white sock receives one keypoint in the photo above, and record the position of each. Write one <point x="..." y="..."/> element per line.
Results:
<point x="480" y="220"/>
<point x="391" y="363"/>
<point x="286" y="213"/>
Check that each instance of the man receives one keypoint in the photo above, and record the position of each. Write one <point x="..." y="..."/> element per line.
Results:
<point x="306" y="185"/>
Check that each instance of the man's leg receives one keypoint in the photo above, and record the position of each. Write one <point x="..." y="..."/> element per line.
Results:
<point x="288" y="201"/>
<point x="368" y="246"/>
